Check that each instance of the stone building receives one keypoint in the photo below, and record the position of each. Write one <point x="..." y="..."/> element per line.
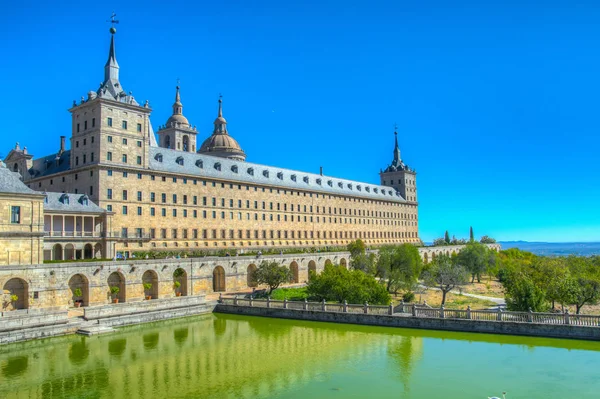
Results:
<point x="172" y="194"/>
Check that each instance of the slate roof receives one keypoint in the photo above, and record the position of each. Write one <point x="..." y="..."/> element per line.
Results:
<point x="47" y="165"/>
<point x="76" y="203"/>
<point x="10" y="183"/>
<point x="203" y="165"/>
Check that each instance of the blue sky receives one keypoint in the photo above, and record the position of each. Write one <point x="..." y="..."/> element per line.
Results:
<point x="496" y="102"/>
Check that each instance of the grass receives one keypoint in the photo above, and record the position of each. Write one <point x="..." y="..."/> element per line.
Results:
<point x="291" y="294"/>
<point x="453" y="301"/>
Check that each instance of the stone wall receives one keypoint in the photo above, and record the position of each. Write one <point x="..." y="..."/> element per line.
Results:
<point x="490" y="327"/>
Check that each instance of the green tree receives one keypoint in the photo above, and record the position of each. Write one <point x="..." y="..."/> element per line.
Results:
<point x="447" y="237"/>
<point x="438" y="242"/>
<point x="364" y="263"/>
<point x="521" y="293"/>
<point x="445" y="275"/>
<point x="487" y="240"/>
<point x="399" y="266"/>
<point x="272" y="274"/>
<point x="475" y="258"/>
<point x="338" y="284"/>
<point x="356" y="248"/>
<point x="471" y="236"/>
<point x="587" y="277"/>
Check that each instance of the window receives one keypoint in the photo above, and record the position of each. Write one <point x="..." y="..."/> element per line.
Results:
<point x="84" y="128"/>
<point x="139" y="160"/>
<point x="109" y="193"/>
<point x="109" y="123"/>
<point x="76" y="160"/>
<point x="139" y="143"/>
<point x="109" y="208"/>
<point x="109" y="139"/>
<point x="174" y="213"/>
<point x="139" y="195"/>
<point x="163" y="212"/>
<point x="164" y="198"/>
<point x="15" y="214"/>
<point x="124" y="209"/>
<point x="109" y="172"/>
<point x="124" y="158"/>
<point x="109" y="156"/>
<point x="124" y="126"/>
<point x="124" y="141"/>
<point x="152" y="197"/>
<point x="139" y="129"/>
<point x="139" y="211"/>
<point x="93" y="125"/>
<point x="92" y="157"/>
<point x="78" y="128"/>
<point x="152" y="211"/>
<point x="174" y="198"/>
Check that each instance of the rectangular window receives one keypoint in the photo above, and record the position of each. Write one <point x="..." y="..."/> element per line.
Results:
<point x="124" y="232"/>
<point x="124" y="126"/>
<point x="124" y="195"/>
<point x="139" y="128"/>
<point x="152" y="197"/>
<point x="124" y="209"/>
<point x="185" y="213"/>
<point x="185" y="199"/>
<point x="164" y="198"/>
<point x="93" y="125"/>
<point x="84" y="158"/>
<point x="139" y="143"/>
<point x="163" y="233"/>
<point x="174" y="233"/>
<point x="109" y="208"/>
<point x="163" y="212"/>
<point x="153" y="233"/>
<point x="174" y="213"/>
<point x="109" y="139"/>
<point x="152" y="211"/>
<point x="174" y="198"/>
<point x="139" y="160"/>
<point x="109" y="123"/>
<point x="124" y="158"/>
<point x="139" y="195"/>
<point x="109" y="193"/>
<point x="15" y="214"/>
<point x="78" y="128"/>
<point x="84" y="128"/>
<point x="92" y="157"/>
<point x="139" y="211"/>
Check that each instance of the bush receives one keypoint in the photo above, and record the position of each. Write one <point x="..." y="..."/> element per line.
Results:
<point x="408" y="296"/>
<point x="272" y="274"/>
<point x="338" y="284"/>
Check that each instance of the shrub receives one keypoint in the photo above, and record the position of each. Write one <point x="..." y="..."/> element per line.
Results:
<point x="78" y="292"/>
<point x="408" y="296"/>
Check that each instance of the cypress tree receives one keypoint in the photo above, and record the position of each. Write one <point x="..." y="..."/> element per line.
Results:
<point x="471" y="236"/>
<point x="447" y="237"/>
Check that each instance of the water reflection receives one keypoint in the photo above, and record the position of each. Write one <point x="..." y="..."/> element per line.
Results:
<point x="247" y="357"/>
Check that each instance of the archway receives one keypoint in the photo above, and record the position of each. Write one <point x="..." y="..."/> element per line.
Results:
<point x="150" y="283"/>
<point x="186" y="143"/>
<point x="69" y="252"/>
<point x="180" y="276"/>
<point x="328" y="262"/>
<point x="116" y="279"/>
<point x="425" y="258"/>
<point x="57" y="252"/>
<point x="88" y="251"/>
<point x="218" y="279"/>
<point x="250" y="276"/>
<point x="80" y="291"/>
<point x="294" y="270"/>
<point x="433" y="256"/>
<point x="312" y="268"/>
<point x="16" y="294"/>
<point x="98" y="251"/>
<point x="343" y="263"/>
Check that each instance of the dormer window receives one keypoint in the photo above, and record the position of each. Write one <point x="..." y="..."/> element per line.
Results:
<point x="234" y="168"/>
<point x="179" y="161"/>
<point x="358" y="188"/>
<point x="306" y="179"/>
<point x="200" y="164"/>
<point x="368" y="189"/>
<point x="340" y="185"/>
<point x="330" y="183"/>
<point x="250" y="171"/>
<point x="218" y="166"/>
<point x="64" y="199"/>
<point x="319" y="182"/>
<point x="158" y="157"/>
<point x="375" y="190"/>
<point x="266" y="173"/>
<point x="280" y="175"/>
<point x="84" y="200"/>
<point x="350" y="186"/>
<point x="293" y="177"/>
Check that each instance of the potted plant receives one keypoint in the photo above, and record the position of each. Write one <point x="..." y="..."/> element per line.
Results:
<point x="78" y="294"/>
<point x="176" y="286"/>
<point x="14" y="298"/>
<point x="114" y="291"/>
<point x="147" y="288"/>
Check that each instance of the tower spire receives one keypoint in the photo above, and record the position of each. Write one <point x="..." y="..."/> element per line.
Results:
<point x="396" y="147"/>
<point x="177" y="106"/>
<point x="220" y="123"/>
<point x="111" y="68"/>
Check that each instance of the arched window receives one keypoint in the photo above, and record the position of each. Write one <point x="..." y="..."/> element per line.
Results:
<point x="200" y="164"/>
<point x="167" y="141"/>
<point x="179" y="161"/>
<point x="158" y="157"/>
<point x="186" y="143"/>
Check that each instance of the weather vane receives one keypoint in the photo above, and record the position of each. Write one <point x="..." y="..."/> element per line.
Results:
<point x="395" y="127"/>
<point x="113" y="21"/>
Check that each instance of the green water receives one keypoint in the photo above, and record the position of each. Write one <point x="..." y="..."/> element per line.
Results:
<point x="223" y="356"/>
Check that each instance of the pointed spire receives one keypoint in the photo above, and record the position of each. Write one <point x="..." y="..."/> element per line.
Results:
<point x="111" y="68"/>
<point x="220" y="123"/>
<point x="396" y="147"/>
<point x="177" y="106"/>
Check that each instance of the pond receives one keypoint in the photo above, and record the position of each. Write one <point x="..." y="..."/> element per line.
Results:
<point x="228" y="356"/>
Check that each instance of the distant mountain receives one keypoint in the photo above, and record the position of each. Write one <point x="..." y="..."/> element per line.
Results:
<point x="555" y="248"/>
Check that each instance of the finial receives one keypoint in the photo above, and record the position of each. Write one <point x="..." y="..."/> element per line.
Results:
<point x="113" y="21"/>
<point x="220" y="105"/>
<point x="395" y="128"/>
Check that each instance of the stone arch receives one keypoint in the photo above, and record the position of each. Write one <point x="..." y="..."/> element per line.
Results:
<point x="150" y="277"/>
<point x="447" y="253"/>
<point x="69" y="252"/>
<point x="180" y="275"/>
<point x="20" y="288"/>
<point x="249" y="278"/>
<point x="328" y="262"/>
<point x="57" y="252"/>
<point x="433" y="256"/>
<point x="312" y="267"/>
<point x="294" y="270"/>
<point x="98" y="251"/>
<point x="88" y="251"/>
<point x="186" y="143"/>
<point x="425" y="258"/>
<point x="344" y="263"/>
<point x="219" y="279"/>
<point x="81" y="282"/>
<point x="116" y="279"/>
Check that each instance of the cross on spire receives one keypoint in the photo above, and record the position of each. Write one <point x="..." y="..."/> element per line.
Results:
<point x="113" y="21"/>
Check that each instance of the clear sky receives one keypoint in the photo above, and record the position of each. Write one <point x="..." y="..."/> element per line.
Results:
<point x="496" y="101"/>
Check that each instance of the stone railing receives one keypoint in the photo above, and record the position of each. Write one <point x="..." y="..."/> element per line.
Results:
<point x="419" y="311"/>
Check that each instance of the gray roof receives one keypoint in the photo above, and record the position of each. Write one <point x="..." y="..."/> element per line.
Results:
<point x="75" y="203"/>
<point x="49" y="164"/>
<point x="168" y="160"/>
<point x="10" y="182"/>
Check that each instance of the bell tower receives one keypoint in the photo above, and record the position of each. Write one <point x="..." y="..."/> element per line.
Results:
<point x="400" y="176"/>
<point x="177" y="133"/>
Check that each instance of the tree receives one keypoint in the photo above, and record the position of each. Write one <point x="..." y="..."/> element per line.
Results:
<point x="399" y="266"/>
<point x="445" y="275"/>
<point x="471" y="236"/>
<point x="356" y="248"/>
<point x="475" y="258"/>
<point x="338" y="284"/>
<point x="522" y="294"/>
<point x="364" y="263"/>
<point x="587" y="277"/>
<point x="272" y="274"/>
<point x="447" y="237"/>
<point x="438" y="242"/>
<point x="487" y="240"/>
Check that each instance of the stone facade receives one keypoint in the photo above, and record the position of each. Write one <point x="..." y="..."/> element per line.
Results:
<point x="167" y="197"/>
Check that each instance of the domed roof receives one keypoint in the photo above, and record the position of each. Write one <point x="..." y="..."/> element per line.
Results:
<point x="177" y="119"/>
<point x="220" y="143"/>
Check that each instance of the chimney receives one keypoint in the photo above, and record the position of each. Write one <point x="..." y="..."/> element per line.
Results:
<point x="321" y="170"/>
<point x="62" y="144"/>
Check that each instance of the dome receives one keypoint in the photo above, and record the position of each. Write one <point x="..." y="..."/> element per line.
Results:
<point x="222" y="145"/>
<point x="177" y="119"/>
